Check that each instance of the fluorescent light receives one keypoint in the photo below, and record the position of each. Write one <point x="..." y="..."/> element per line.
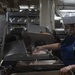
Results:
<point x="67" y="10"/>
<point x="59" y="29"/>
<point x="66" y="13"/>
<point x="32" y="7"/>
<point x="69" y="1"/>
<point x="23" y="7"/>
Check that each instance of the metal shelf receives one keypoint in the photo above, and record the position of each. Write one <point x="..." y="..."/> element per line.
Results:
<point x="18" y="23"/>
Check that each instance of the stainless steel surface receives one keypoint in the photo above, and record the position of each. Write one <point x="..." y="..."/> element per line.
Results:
<point x="39" y="65"/>
<point x="48" y="38"/>
<point x="16" y="50"/>
<point x="39" y="62"/>
<point x="55" y="72"/>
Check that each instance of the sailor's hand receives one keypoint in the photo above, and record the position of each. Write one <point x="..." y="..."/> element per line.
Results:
<point x="65" y="70"/>
<point x="37" y="49"/>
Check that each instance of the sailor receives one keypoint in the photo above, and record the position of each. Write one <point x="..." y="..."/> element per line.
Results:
<point x="67" y="46"/>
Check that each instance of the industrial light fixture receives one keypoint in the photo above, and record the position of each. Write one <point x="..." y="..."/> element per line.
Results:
<point x="66" y="10"/>
<point x="67" y="13"/>
<point x="69" y="1"/>
<point x="23" y="7"/>
<point x="59" y="29"/>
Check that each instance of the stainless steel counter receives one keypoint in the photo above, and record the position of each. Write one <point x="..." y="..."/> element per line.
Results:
<point x="55" y="72"/>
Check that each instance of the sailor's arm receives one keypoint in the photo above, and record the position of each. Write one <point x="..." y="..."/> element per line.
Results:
<point x="54" y="46"/>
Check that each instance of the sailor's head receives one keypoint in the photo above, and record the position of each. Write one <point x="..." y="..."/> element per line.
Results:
<point x="69" y="25"/>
